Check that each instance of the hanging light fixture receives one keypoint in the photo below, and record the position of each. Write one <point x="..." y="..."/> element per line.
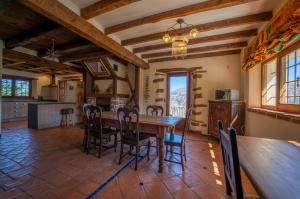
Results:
<point x="179" y="41"/>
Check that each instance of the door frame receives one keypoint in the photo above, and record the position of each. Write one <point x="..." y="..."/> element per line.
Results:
<point x="177" y="74"/>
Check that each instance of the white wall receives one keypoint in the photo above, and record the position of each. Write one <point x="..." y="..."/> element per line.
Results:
<point x="222" y="72"/>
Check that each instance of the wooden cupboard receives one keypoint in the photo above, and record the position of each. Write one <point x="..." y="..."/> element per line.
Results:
<point x="226" y="111"/>
<point x="14" y="110"/>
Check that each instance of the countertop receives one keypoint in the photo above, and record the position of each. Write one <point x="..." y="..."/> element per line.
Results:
<point x="50" y="103"/>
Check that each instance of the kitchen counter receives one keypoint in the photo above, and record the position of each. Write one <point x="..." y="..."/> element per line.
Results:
<point x="48" y="114"/>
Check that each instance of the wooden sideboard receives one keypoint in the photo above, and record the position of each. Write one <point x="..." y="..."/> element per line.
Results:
<point x="226" y="111"/>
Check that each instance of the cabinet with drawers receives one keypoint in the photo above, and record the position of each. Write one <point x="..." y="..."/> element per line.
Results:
<point x="14" y="110"/>
<point x="225" y="111"/>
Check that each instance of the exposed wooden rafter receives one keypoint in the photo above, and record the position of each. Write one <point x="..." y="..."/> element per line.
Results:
<point x="62" y="15"/>
<point x="219" y="37"/>
<point x="199" y="49"/>
<point x="103" y="6"/>
<point x="14" y="56"/>
<point x="37" y="34"/>
<point x="179" y="12"/>
<point x="72" y="47"/>
<point x="85" y="56"/>
<point x="195" y="56"/>
<point x="249" y="19"/>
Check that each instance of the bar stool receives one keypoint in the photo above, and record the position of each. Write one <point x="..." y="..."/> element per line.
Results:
<point x="64" y="117"/>
<point x="70" y="112"/>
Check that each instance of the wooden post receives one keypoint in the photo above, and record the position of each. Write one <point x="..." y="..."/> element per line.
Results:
<point x="1" y="66"/>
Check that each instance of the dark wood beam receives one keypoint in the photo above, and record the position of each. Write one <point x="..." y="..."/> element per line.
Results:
<point x="195" y="56"/>
<point x="103" y="6"/>
<point x="85" y="56"/>
<point x="237" y="21"/>
<point x="179" y="12"/>
<point x="11" y="55"/>
<point x="59" y="13"/>
<point x="35" y="35"/>
<point x="199" y="49"/>
<point x="6" y="4"/>
<point x="219" y="37"/>
<point x="72" y="47"/>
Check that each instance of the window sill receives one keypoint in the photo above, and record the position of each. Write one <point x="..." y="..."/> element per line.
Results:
<point x="276" y="114"/>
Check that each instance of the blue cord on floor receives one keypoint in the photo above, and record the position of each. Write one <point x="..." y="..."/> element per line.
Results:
<point x="102" y="186"/>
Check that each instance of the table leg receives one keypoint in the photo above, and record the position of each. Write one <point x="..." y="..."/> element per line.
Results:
<point x="161" y="149"/>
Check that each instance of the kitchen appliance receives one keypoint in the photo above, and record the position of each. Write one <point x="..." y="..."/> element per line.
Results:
<point x="227" y="94"/>
<point x="50" y="92"/>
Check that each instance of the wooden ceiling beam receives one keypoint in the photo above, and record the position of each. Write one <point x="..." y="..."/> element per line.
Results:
<point x="72" y="47"/>
<point x="103" y="6"/>
<point x="237" y="21"/>
<point x="11" y="55"/>
<point x="195" y="56"/>
<point x="179" y="12"/>
<point x="61" y="14"/>
<point x="85" y="56"/>
<point x="219" y="37"/>
<point x="199" y="49"/>
<point x="38" y="33"/>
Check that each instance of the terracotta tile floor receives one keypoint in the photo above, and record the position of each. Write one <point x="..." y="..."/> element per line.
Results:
<point x="50" y="164"/>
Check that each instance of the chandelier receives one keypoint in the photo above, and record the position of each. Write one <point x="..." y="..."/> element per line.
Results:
<point x="179" y="41"/>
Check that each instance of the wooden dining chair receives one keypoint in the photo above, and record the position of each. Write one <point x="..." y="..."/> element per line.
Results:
<point x="174" y="140"/>
<point x="96" y="130"/>
<point x="155" y="110"/>
<point x="130" y="135"/>
<point x="231" y="164"/>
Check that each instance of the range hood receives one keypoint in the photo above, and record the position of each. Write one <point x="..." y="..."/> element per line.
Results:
<point x="50" y="92"/>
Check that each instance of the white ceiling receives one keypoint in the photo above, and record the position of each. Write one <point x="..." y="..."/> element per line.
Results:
<point x="149" y="7"/>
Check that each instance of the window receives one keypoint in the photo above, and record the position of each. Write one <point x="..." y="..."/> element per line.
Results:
<point x="15" y="87"/>
<point x="290" y="78"/>
<point x="281" y="81"/>
<point x="6" y="87"/>
<point x="269" y="83"/>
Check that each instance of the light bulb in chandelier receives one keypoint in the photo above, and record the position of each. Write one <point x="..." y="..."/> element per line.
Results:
<point x="194" y="32"/>
<point x="166" y="38"/>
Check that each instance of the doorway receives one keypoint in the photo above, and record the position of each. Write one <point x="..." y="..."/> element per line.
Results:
<point x="177" y="94"/>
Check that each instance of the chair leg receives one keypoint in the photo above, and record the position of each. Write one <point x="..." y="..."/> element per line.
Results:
<point x="136" y="156"/>
<point x="184" y="152"/>
<point x="181" y="157"/>
<point x="88" y="143"/>
<point x="121" y="153"/>
<point x="116" y="142"/>
<point x="157" y="146"/>
<point x="100" y="148"/>
<point x="148" y="150"/>
<point x="167" y="151"/>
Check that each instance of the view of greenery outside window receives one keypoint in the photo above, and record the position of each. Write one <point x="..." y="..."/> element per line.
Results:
<point x="290" y="78"/>
<point x="21" y="88"/>
<point x="269" y="83"/>
<point x="11" y="87"/>
<point x="6" y="87"/>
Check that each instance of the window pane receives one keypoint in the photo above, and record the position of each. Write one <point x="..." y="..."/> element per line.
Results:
<point x="291" y="73"/>
<point x="269" y="83"/>
<point x="292" y="59"/>
<point x="291" y="89"/>
<point x="298" y="57"/>
<point x="22" y="88"/>
<point x="291" y="100"/>
<point x="6" y="87"/>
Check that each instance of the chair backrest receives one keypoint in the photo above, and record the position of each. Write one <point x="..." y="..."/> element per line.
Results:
<point x="231" y="163"/>
<point x="129" y="122"/>
<point x="136" y="107"/>
<point x="186" y="126"/>
<point x="220" y="125"/>
<point x="92" y="115"/>
<point x="155" y="110"/>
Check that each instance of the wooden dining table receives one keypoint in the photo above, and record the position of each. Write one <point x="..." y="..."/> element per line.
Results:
<point x="157" y="125"/>
<point x="271" y="165"/>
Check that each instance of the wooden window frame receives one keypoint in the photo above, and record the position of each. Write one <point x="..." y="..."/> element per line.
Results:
<point x="291" y="108"/>
<point x="13" y="93"/>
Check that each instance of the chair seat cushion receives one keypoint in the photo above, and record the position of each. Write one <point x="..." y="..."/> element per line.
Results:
<point x="143" y="138"/>
<point x="173" y="138"/>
